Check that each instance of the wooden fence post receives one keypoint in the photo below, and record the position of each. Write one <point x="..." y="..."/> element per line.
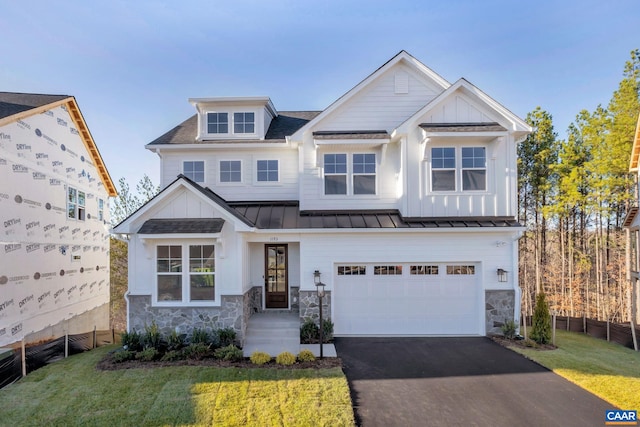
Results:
<point x="608" y="331"/>
<point x="66" y="344"/>
<point x="584" y="323"/>
<point x="94" y="337"/>
<point x="633" y="334"/>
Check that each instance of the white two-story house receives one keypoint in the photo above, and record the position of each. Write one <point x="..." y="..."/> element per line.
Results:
<point x="402" y="194"/>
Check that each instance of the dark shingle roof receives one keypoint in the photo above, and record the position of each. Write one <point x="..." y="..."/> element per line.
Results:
<point x="285" y="124"/>
<point x="463" y="127"/>
<point x="186" y="225"/>
<point x="351" y="134"/>
<point x="13" y="103"/>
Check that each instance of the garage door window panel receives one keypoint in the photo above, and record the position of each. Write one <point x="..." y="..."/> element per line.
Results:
<point x="387" y="270"/>
<point x="420" y="270"/>
<point x="352" y="270"/>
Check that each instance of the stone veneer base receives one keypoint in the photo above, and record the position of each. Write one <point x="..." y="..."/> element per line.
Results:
<point x="499" y="306"/>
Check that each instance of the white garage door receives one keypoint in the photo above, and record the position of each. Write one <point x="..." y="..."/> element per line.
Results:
<point x="408" y="299"/>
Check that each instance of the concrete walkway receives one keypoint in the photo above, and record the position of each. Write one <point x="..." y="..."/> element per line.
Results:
<point x="274" y="332"/>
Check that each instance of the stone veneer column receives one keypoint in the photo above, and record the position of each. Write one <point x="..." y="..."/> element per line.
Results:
<point x="309" y="307"/>
<point x="499" y="306"/>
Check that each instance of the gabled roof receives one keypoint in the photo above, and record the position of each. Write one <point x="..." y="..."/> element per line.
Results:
<point x="635" y="150"/>
<point x="402" y="56"/>
<point x="283" y="125"/>
<point x="518" y="126"/>
<point x="17" y="106"/>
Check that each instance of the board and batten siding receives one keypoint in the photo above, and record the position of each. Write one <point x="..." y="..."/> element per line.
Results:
<point x="378" y="106"/>
<point x="249" y="189"/>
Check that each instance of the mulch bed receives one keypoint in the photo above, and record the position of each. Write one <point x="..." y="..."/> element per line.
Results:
<point x="522" y="344"/>
<point x="108" y="364"/>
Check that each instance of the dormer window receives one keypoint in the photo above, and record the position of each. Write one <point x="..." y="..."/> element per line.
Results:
<point x="217" y="122"/>
<point x="244" y="123"/>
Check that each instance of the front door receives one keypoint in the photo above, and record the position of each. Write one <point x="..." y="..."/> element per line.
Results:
<point x="275" y="276"/>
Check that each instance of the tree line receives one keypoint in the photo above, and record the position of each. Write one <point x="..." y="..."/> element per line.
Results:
<point x="574" y="194"/>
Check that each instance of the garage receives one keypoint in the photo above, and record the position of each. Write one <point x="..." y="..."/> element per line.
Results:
<point x="407" y="299"/>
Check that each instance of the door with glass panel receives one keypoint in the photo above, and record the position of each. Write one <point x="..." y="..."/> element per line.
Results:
<point x="275" y="277"/>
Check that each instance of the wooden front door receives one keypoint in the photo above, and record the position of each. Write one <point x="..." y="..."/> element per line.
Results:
<point x="276" y="272"/>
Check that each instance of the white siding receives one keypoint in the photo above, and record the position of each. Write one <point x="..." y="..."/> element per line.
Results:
<point x="457" y="109"/>
<point x="249" y="188"/>
<point x="41" y="285"/>
<point x="378" y="106"/>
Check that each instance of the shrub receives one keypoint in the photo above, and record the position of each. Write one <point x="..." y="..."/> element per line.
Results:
<point x="199" y="336"/>
<point x="327" y="330"/>
<point x="230" y="352"/>
<point x="175" y="341"/>
<point x="309" y="332"/>
<point x="196" y="351"/>
<point x="306" y="356"/>
<point x="260" y="357"/>
<point x="285" y="358"/>
<point x="509" y="329"/>
<point x="123" y="355"/>
<point x="227" y="336"/>
<point x="147" y="355"/>
<point x="151" y="337"/>
<point x="172" y="355"/>
<point x="131" y="341"/>
<point x="541" y="329"/>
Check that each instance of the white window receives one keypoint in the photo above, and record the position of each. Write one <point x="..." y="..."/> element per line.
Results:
<point x="352" y="270"/>
<point x="230" y="171"/>
<point x="424" y="269"/>
<point x="244" y="123"/>
<point x="335" y="174"/>
<point x="185" y="273"/>
<point x="350" y="175"/>
<point x="474" y="168"/>
<point x="461" y="269"/>
<point x="267" y="170"/>
<point x="387" y="270"/>
<point x="194" y="170"/>
<point x="217" y="122"/>
<point x="467" y="174"/>
<point x="100" y="210"/>
<point x="75" y="204"/>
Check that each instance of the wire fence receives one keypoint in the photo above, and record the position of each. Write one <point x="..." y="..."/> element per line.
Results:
<point x="18" y="362"/>
<point x="619" y="333"/>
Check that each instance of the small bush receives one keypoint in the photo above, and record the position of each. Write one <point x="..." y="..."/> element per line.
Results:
<point x="541" y="330"/>
<point x="306" y="356"/>
<point x="199" y="336"/>
<point x="230" y="353"/>
<point x="260" y="357"/>
<point x="147" y="355"/>
<point x="309" y="332"/>
<point x="227" y="336"/>
<point x="172" y="355"/>
<point x="285" y="358"/>
<point x="175" y="341"/>
<point x="123" y="355"/>
<point x="196" y="351"/>
<point x="530" y="343"/>
<point x="327" y="330"/>
<point x="151" y="337"/>
<point x="131" y="341"/>
<point x="509" y="329"/>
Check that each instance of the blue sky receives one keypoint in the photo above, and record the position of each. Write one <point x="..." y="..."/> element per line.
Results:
<point x="132" y="65"/>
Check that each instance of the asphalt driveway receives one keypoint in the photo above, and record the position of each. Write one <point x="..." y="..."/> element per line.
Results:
<point x="458" y="382"/>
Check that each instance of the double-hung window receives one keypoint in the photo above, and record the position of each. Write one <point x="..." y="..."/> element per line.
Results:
<point x="335" y="174"/>
<point x="230" y="171"/>
<point x="267" y="170"/>
<point x="217" y="122"/>
<point x="194" y="170"/>
<point x="185" y="273"/>
<point x="453" y="170"/>
<point x="243" y="122"/>
<point x="364" y="173"/>
<point x="350" y="174"/>
<point x="75" y="204"/>
<point x="474" y="168"/>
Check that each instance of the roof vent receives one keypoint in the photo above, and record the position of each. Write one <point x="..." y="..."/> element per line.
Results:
<point x="401" y="82"/>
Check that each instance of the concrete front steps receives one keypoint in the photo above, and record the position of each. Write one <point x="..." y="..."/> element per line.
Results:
<point x="276" y="331"/>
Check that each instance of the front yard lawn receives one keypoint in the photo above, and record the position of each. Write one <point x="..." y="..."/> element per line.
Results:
<point x="72" y="392"/>
<point x="607" y="370"/>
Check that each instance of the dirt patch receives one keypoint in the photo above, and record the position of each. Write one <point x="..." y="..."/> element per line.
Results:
<point x="522" y="343"/>
<point x="108" y="364"/>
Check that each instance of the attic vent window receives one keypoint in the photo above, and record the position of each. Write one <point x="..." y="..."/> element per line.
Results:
<point x="401" y="83"/>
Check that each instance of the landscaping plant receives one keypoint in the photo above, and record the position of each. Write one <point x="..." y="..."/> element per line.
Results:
<point x="230" y="353"/>
<point x="285" y="358"/>
<point x="306" y="356"/>
<point x="541" y="330"/>
<point x="309" y="332"/>
<point x="509" y="329"/>
<point x="260" y="357"/>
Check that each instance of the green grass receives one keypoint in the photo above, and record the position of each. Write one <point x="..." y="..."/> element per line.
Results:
<point x="72" y="392"/>
<point x="607" y="370"/>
